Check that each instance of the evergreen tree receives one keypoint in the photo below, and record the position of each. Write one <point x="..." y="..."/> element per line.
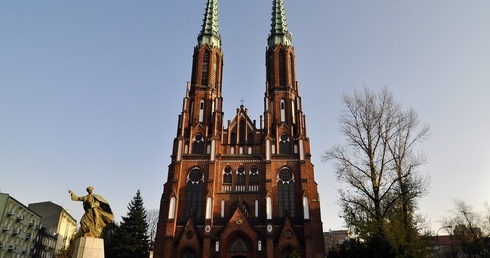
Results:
<point x="111" y="236"/>
<point x="133" y="236"/>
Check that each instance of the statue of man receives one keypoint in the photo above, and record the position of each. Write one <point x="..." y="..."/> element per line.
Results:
<point x="97" y="215"/>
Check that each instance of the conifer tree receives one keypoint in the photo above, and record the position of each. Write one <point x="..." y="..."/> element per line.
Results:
<point x="133" y="229"/>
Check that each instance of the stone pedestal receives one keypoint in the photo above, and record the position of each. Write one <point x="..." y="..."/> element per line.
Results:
<point x="89" y="247"/>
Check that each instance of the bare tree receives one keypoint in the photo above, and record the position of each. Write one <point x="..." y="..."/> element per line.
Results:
<point x="470" y="229"/>
<point x="379" y="164"/>
<point x="152" y="220"/>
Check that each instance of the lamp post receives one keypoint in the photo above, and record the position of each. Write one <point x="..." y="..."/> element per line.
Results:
<point x="437" y="236"/>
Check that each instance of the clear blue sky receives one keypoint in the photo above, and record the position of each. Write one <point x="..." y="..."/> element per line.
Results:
<point x="90" y="91"/>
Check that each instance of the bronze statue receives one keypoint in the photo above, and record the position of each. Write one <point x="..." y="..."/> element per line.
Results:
<point x="97" y="215"/>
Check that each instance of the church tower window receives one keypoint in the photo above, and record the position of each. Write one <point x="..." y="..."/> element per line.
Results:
<point x="284" y="144"/>
<point x="283" y="111"/>
<point x="282" y="69"/>
<point x="201" y="111"/>
<point x="198" y="145"/>
<point x="285" y="192"/>
<point x="194" y="193"/>
<point x="205" y="68"/>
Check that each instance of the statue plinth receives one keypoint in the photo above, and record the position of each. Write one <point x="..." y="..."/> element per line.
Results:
<point x="89" y="247"/>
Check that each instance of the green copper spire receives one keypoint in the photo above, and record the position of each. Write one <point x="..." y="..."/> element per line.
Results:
<point x="210" y="29"/>
<point x="279" y="27"/>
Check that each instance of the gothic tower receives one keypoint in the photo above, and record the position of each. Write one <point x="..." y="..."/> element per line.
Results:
<point x="244" y="190"/>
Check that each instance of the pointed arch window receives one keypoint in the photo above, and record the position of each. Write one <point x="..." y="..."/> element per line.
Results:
<point x="205" y="68"/>
<point x="243" y="126"/>
<point x="254" y="179"/>
<point x="282" y="69"/>
<point x="215" y="70"/>
<point x="250" y="138"/>
<point x="239" y="245"/>
<point x="198" y="145"/>
<point x="283" y="110"/>
<point x="284" y="144"/>
<point x="201" y="111"/>
<point x="240" y="179"/>
<point x="227" y="176"/>
<point x="285" y="193"/>
<point x="194" y="193"/>
<point x="270" y="70"/>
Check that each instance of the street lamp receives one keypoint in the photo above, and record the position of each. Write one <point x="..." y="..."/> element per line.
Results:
<point x="437" y="236"/>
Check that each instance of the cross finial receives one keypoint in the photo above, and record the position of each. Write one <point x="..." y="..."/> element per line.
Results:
<point x="242" y="100"/>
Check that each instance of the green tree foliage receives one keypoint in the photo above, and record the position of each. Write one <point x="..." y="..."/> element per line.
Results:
<point x="134" y="239"/>
<point x="111" y="235"/>
<point x="130" y="239"/>
<point x="379" y="164"/>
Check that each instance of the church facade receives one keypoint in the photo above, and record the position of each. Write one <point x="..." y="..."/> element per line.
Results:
<point x="244" y="188"/>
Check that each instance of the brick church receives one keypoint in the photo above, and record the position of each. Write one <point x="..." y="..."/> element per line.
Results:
<point x="241" y="188"/>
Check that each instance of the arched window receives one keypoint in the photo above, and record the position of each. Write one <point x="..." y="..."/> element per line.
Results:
<point x="254" y="179"/>
<point x="282" y="69"/>
<point x="243" y="126"/>
<point x="227" y="177"/>
<point x="284" y="144"/>
<point x="194" y="194"/>
<point x="240" y="179"/>
<point x="283" y="111"/>
<point x="285" y="192"/>
<point x="215" y="70"/>
<point x="205" y="68"/>
<point x="239" y="246"/>
<point x="250" y="138"/>
<point x="233" y="139"/>
<point x="198" y="145"/>
<point x="201" y="111"/>
<point x="270" y="70"/>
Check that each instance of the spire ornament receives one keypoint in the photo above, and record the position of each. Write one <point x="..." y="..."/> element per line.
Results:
<point x="279" y="27"/>
<point x="210" y="27"/>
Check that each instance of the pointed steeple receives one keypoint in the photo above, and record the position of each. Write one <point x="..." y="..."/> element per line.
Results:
<point x="279" y="27"/>
<point x="210" y="27"/>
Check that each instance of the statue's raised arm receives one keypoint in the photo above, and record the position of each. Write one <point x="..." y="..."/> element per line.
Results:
<point x="97" y="215"/>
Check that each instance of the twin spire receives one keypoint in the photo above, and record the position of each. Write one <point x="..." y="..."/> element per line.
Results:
<point x="279" y="29"/>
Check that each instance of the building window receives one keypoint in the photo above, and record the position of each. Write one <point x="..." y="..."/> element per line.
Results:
<point x="284" y="144"/>
<point x="282" y="69"/>
<point x="283" y="111"/>
<point x="250" y="138"/>
<point x="240" y="179"/>
<point x="227" y="176"/>
<point x="194" y="194"/>
<point x="233" y="139"/>
<point x="285" y="192"/>
<point x="239" y="245"/>
<point x="198" y="145"/>
<point x="205" y="68"/>
<point x="227" y="179"/>
<point x="201" y="111"/>
<point x="254" y="179"/>
<point x="242" y="132"/>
